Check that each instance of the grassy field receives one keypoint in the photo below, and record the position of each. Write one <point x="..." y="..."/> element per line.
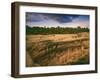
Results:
<point x="57" y="49"/>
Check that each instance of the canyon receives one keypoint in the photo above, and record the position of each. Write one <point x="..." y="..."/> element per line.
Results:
<point x="57" y="49"/>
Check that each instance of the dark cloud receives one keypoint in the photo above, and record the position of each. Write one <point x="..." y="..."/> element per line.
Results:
<point x="60" y="18"/>
<point x="74" y="16"/>
<point x="32" y="17"/>
<point x="64" y="18"/>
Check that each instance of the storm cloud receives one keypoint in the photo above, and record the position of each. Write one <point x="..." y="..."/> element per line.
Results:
<point x="61" y="18"/>
<point x="51" y="19"/>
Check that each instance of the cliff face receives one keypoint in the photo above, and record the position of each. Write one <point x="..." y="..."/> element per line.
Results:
<point x="52" y="50"/>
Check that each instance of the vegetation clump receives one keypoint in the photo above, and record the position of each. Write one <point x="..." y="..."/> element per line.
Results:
<point x="54" y="30"/>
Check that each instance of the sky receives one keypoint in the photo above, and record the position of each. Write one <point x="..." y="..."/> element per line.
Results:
<point x="54" y="20"/>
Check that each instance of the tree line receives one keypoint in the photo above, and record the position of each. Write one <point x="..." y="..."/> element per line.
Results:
<point x="54" y="30"/>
